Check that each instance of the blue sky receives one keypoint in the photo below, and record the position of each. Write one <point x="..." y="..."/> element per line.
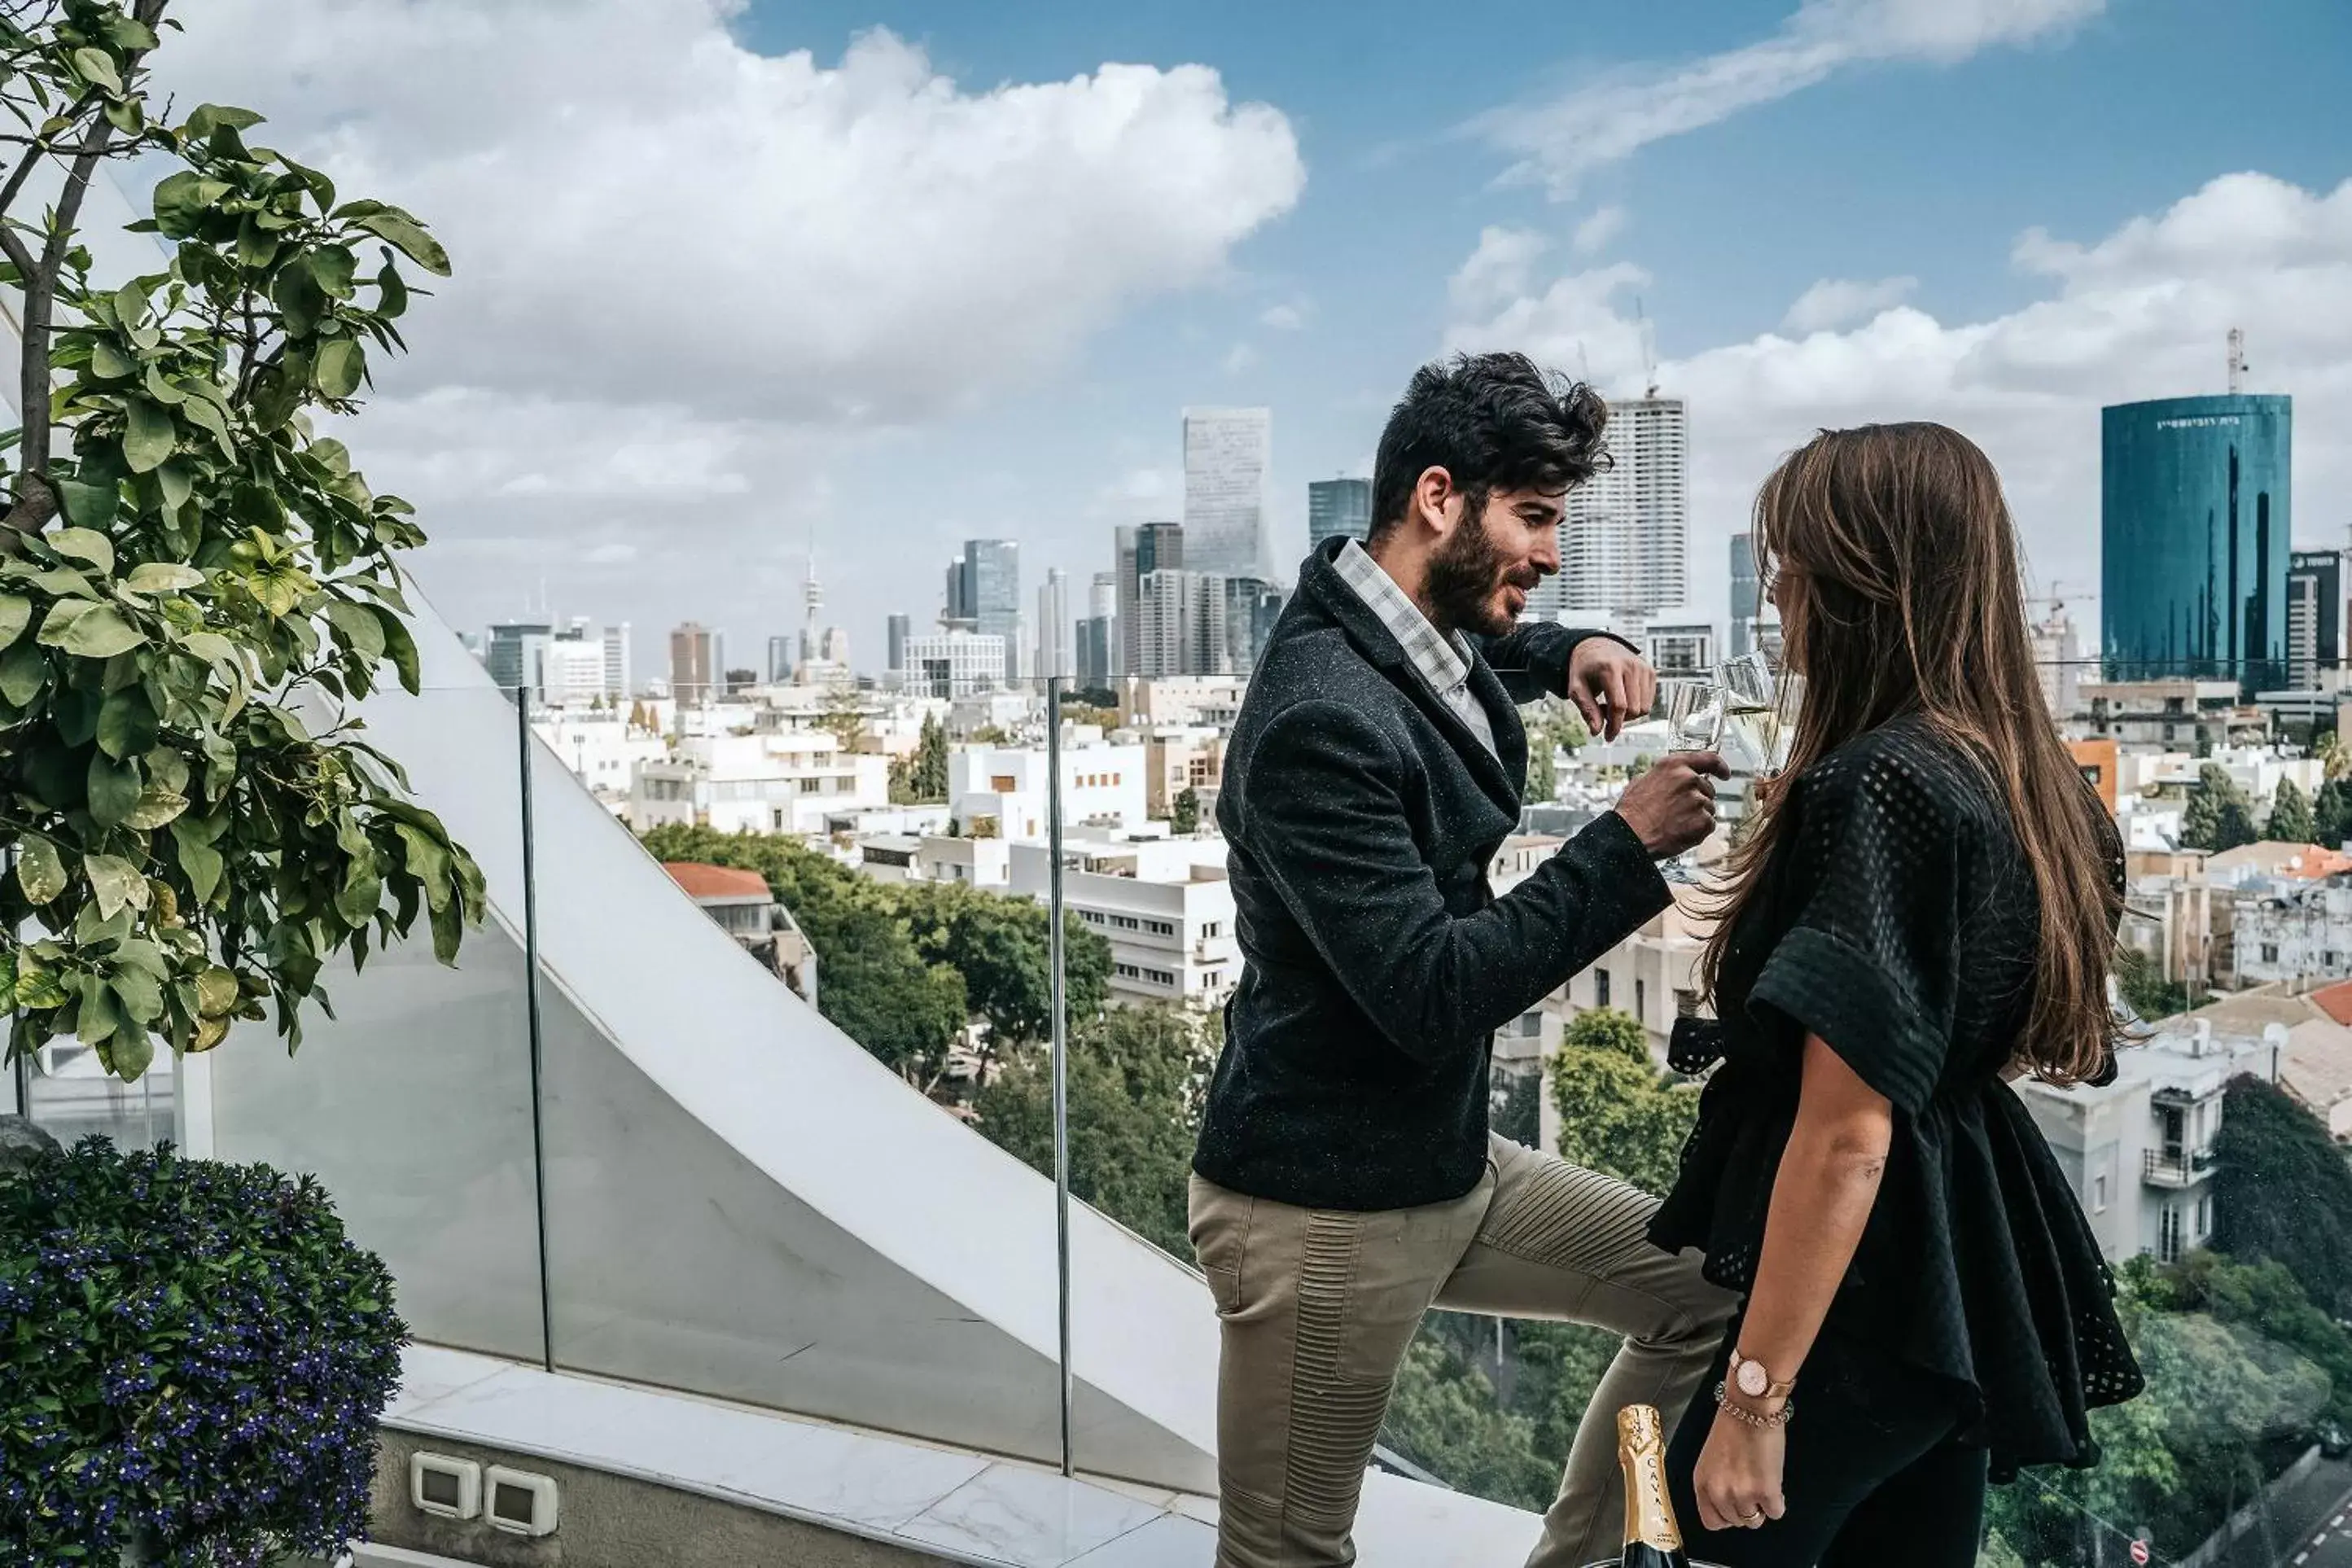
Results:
<point x="1300" y="256"/>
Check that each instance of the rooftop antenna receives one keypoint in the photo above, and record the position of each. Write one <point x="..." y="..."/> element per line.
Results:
<point x="2237" y="361"/>
<point x="1649" y="348"/>
<point x="1584" y="374"/>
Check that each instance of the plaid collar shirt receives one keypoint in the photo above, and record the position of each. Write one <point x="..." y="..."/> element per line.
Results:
<point x="1441" y="659"/>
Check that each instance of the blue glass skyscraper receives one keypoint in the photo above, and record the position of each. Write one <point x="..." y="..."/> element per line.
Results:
<point x="2195" y="526"/>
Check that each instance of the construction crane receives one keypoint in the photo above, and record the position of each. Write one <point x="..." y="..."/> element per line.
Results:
<point x="1649" y="349"/>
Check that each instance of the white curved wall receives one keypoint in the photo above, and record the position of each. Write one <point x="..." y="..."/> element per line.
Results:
<point x="739" y="1201"/>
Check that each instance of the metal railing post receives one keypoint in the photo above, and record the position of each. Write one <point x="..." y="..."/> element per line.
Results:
<point x="531" y="1006"/>
<point x="1061" y="1054"/>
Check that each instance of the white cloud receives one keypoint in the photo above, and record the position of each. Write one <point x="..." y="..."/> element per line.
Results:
<point x="692" y="281"/>
<point x="615" y="555"/>
<point x="1289" y="317"/>
<point x="1596" y="231"/>
<point x="1498" y="269"/>
<point x="2141" y="313"/>
<point x="1239" y="358"/>
<point x="1842" y="302"/>
<point x="1615" y="114"/>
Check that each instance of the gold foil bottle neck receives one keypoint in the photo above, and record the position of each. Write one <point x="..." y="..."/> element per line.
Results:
<point x="1642" y="1451"/>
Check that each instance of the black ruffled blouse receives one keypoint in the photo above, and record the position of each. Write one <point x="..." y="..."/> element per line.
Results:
<point x="1898" y="919"/>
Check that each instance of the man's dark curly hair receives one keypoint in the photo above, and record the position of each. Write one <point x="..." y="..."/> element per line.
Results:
<point x="1495" y="422"/>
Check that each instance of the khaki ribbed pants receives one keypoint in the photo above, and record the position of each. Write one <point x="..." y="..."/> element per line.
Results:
<point x="1318" y="1305"/>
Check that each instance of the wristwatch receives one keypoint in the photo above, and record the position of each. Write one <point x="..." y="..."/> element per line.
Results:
<point x="1750" y="1378"/>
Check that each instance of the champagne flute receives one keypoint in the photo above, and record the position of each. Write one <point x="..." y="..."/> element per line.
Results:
<point x="1751" y="722"/>
<point x="1693" y="714"/>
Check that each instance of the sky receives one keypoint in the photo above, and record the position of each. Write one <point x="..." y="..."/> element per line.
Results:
<point x="738" y="282"/>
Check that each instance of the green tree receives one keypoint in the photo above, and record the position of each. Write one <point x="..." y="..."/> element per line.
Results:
<point x="1618" y="1113"/>
<point x="196" y="828"/>
<point x="2291" y="819"/>
<point x="2145" y="989"/>
<point x="2281" y="1191"/>
<point x="2218" y="815"/>
<point x="920" y="777"/>
<point x="844" y="717"/>
<point x="2331" y="814"/>
<point x="1184" y="813"/>
<point x="1002" y="947"/>
<point x="1444" y="1416"/>
<point x="1551" y="725"/>
<point x="1136" y="1078"/>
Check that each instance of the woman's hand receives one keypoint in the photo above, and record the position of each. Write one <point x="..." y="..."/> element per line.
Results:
<point x="1738" y="1481"/>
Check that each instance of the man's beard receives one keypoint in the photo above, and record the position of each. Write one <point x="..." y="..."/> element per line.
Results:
<point x="1464" y="576"/>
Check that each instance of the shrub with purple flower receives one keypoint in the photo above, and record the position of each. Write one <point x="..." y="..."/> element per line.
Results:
<point x="192" y="1356"/>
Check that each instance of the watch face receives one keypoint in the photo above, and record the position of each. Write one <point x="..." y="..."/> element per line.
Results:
<point x="1752" y="1381"/>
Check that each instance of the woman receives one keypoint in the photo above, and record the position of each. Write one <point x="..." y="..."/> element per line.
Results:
<point x="1926" y="910"/>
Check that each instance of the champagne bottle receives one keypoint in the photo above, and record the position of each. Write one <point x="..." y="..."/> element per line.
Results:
<point x="1652" y="1540"/>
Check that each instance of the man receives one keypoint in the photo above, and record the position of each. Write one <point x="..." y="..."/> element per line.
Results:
<point x="1346" y="1181"/>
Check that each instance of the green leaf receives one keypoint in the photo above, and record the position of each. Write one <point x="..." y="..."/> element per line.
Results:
<point x="140" y="995"/>
<point x="114" y="789"/>
<point x="333" y="266"/>
<point x="60" y="620"/>
<point x="183" y="200"/>
<point x="156" y="808"/>
<point x="84" y="545"/>
<point x="115" y="883"/>
<point x="159" y="389"/>
<point x="400" y="648"/>
<point x="256" y="247"/>
<point x="40" y="870"/>
<point x="148" y="438"/>
<point x="132" y="1053"/>
<point x="199" y="860"/>
<point x="24" y="669"/>
<point x="87" y="505"/>
<point x="126" y="723"/>
<point x="108" y="362"/>
<point x="176" y="483"/>
<point x="97" y="1020"/>
<point x="337" y="371"/>
<point x="128" y="33"/>
<point x="297" y="294"/>
<point x="394" y="299"/>
<point x="209" y="117"/>
<point x="100" y="634"/>
<point x="410" y="239"/>
<point x="130" y="305"/>
<point x="98" y="68"/>
<point x="200" y="411"/>
<point x="359" y="626"/>
<point x="161" y="577"/>
<point x="16" y="613"/>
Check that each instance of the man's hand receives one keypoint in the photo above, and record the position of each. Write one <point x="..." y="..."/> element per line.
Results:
<point x="1610" y="685"/>
<point x="1671" y="806"/>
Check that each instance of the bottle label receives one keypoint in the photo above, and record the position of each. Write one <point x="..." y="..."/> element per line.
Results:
<point x="1642" y="1451"/>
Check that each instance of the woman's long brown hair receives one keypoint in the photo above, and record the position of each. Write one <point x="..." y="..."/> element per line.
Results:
<point x="1897" y="572"/>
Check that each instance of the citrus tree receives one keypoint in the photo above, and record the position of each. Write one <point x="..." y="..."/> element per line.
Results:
<point x="194" y="579"/>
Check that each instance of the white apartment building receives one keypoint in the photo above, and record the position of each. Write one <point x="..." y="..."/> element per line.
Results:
<point x="573" y="671"/>
<point x="954" y="663"/>
<point x="780" y="783"/>
<point x="2139" y="1152"/>
<point x="600" y="747"/>
<point x="1182" y="625"/>
<point x="1653" y="974"/>
<point x="1186" y="699"/>
<point x="1102" y="786"/>
<point x="2282" y="929"/>
<point x="1163" y="904"/>
<point x="1177" y="758"/>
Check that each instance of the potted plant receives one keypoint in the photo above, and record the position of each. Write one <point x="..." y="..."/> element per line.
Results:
<point x="193" y="1361"/>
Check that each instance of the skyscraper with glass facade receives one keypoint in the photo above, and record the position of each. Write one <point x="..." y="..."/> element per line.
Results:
<point x="2195" y="525"/>
<point x="1226" y="454"/>
<point x="1747" y="594"/>
<point x="992" y="579"/>
<point x="1337" y="506"/>
<point x="1624" y="545"/>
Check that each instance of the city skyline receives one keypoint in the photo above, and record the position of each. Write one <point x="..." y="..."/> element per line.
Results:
<point x="1909" y="227"/>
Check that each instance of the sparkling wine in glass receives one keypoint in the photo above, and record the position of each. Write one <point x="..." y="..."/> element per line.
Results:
<point x="1693" y="714"/>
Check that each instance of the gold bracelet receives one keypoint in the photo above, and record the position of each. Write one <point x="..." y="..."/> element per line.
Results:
<point x="1757" y="1419"/>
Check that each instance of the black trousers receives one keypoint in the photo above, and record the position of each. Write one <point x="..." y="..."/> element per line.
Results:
<point x="1876" y="1474"/>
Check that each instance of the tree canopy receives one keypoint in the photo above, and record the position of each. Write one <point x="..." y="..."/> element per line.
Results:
<point x="1618" y="1112"/>
<point x="2283" y="1192"/>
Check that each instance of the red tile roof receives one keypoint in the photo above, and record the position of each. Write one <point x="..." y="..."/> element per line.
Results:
<point x="702" y="881"/>
<point x="2336" y="1001"/>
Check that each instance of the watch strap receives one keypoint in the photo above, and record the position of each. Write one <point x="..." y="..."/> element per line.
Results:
<point x="1771" y="1390"/>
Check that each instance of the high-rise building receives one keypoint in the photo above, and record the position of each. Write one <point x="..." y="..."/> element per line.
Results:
<point x="1181" y="625"/>
<point x="2058" y="660"/>
<point x="1680" y="650"/>
<point x="1097" y="640"/>
<point x="1226" y="454"/>
<point x="1252" y="606"/>
<point x="780" y="660"/>
<point x="2194" y="524"/>
<point x="572" y="669"/>
<point x="993" y="581"/>
<point x="900" y="627"/>
<point x="1624" y="544"/>
<point x="959" y="610"/>
<point x="2315" y="615"/>
<point x="812" y="609"/>
<point x="619" y="678"/>
<point x="1054" y="625"/>
<point x="696" y="663"/>
<point x="517" y="655"/>
<point x="1153" y="547"/>
<point x="1746" y="596"/>
<point x="1336" y="508"/>
<point x="833" y="647"/>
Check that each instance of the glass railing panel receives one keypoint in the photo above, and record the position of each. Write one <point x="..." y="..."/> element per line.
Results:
<point x="750" y="1195"/>
<point x="413" y="1103"/>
